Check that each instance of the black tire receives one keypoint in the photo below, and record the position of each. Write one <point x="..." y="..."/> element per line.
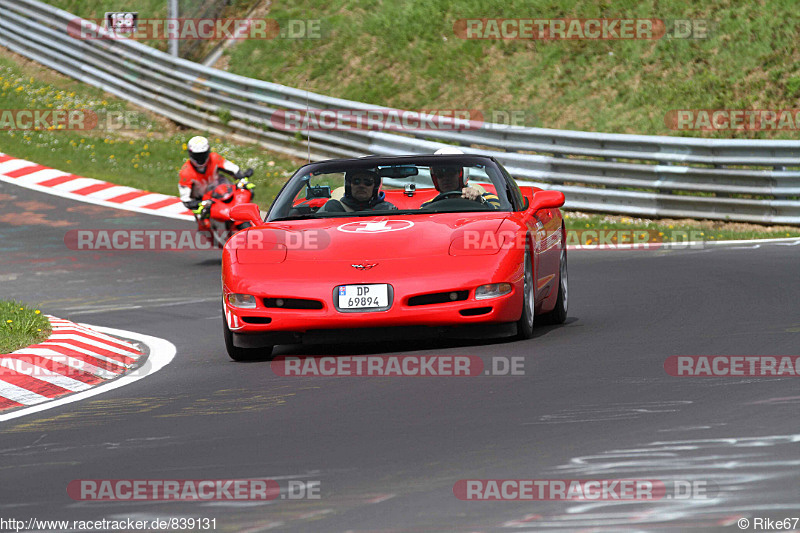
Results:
<point x="243" y="354"/>
<point x="559" y="313"/>
<point x="525" y="322"/>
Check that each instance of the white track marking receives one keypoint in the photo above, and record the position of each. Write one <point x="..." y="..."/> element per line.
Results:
<point x="41" y="175"/>
<point x="147" y="200"/>
<point x="20" y="395"/>
<point x="161" y="354"/>
<point x="75" y="184"/>
<point x="100" y="344"/>
<point x="112" y="192"/>
<point x="14" y="164"/>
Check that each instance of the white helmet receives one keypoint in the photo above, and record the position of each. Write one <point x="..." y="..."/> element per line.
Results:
<point x="199" y="150"/>
<point x="448" y="150"/>
<point x="452" y="150"/>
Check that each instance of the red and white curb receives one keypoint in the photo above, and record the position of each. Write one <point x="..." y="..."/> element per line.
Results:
<point x="41" y="178"/>
<point x="75" y="362"/>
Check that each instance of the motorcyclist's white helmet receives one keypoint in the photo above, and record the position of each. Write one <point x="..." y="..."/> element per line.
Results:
<point x="452" y="150"/>
<point x="199" y="151"/>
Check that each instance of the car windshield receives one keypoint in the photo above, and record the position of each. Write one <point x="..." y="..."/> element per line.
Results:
<point x="408" y="188"/>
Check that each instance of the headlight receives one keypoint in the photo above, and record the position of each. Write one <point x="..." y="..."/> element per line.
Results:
<point x="492" y="290"/>
<point x="245" y="301"/>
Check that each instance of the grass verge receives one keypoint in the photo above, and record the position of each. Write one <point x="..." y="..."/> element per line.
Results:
<point x="21" y="326"/>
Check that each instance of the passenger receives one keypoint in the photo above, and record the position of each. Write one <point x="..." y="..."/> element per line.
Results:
<point x="362" y="192"/>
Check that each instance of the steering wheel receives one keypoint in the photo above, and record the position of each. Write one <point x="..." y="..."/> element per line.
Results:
<point x="444" y="195"/>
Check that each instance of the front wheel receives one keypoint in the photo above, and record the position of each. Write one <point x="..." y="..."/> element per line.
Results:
<point x="525" y="323"/>
<point x="243" y="354"/>
<point x="559" y="313"/>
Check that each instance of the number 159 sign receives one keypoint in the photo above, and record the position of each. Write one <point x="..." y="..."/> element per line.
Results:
<point x="121" y="21"/>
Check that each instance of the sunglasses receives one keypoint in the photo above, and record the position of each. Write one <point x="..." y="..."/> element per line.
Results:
<point x="366" y="181"/>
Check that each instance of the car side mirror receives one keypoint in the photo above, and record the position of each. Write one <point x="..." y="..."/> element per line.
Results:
<point x="246" y="213"/>
<point x="547" y="200"/>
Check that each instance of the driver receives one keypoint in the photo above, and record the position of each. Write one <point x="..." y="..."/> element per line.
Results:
<point x="451" y="179"/>
<point x="362" y="192"/>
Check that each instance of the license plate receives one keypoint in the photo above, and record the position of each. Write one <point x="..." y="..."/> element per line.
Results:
<point x="363" y="296"/>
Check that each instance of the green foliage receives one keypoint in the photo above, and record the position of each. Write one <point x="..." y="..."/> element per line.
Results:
<point x="21" y="326"/>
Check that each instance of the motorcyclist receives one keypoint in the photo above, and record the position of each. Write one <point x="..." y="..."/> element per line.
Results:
<point x="362" y="192"/>
<point x="199" y="173"/>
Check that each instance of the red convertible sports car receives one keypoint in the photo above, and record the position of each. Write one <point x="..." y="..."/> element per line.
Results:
<point x="382" y="248"/>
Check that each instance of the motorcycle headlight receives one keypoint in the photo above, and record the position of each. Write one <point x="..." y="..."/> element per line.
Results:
<point x="245" y="301"/>
<point x="492" y="290"/>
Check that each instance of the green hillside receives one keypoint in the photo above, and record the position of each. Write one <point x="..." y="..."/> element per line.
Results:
<point x="406" y="54"/>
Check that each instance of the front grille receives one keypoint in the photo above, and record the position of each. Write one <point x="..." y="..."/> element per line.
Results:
<point x="475" y="311"/>
<point x="438" y="298"/>
<point x="292" y="303"/>
<point x="256" y="319"/>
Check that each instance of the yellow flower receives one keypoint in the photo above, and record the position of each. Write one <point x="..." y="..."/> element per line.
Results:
<point x="183" y="146"/>
<point x="111" y="156"/>
<point x="145" y="147"/>
<point x="130" y="142"/>
<point x="37" y="329"/>
<point x="9" y="321"/>
<point x="21" y="308"/>
<point x="37" y="312"/>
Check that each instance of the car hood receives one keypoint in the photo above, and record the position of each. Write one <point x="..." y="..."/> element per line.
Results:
<point x="372" y="238"/>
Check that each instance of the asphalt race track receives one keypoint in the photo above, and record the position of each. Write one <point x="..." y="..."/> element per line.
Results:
<point x="594" y="402"/>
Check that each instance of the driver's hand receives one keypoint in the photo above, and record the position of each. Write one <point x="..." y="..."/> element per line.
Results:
<point x="470" y="193"/>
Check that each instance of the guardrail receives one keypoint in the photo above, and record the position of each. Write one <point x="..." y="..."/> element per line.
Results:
<point x="639" y="175"/>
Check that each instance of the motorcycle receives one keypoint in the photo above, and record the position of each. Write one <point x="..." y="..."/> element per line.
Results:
<point x="217" y="203"/>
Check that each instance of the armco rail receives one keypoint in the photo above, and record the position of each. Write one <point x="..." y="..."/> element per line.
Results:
<point x="628" y="174"/>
